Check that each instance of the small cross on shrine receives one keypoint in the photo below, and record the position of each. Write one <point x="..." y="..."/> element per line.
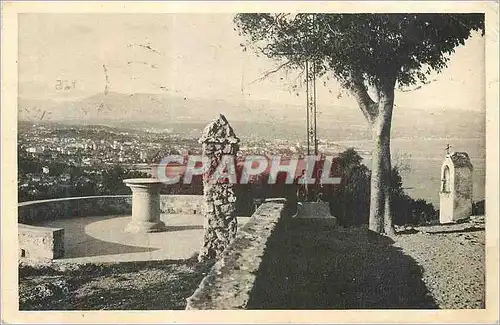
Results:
<point x="448" y="147"/>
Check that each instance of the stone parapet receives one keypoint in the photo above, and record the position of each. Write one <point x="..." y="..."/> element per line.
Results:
<point x="229" y="283"/>
<point x="35" y="212"/>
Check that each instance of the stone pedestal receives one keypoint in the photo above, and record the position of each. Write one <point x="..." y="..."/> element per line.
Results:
<point x="314" y="213"/>
<point x="145" y="205"/>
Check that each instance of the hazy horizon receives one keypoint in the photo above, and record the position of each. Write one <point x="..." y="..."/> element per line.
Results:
<point x="196" y="56"/>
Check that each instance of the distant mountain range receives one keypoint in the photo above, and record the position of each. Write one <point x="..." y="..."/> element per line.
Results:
<point x="257" y="117"/>
<point x="116" y="107"/>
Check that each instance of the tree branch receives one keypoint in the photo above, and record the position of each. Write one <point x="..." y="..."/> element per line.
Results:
<point x="417" y="87"/>
<point x="273" y="71"/>
<point x="367" y="105"/>
<point x="376" y="90"/>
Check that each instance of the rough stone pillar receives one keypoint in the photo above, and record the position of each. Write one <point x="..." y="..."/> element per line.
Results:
<point x="220" y="226"/>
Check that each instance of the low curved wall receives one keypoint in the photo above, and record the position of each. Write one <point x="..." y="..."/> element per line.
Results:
<point x="229" y="283"/>
<point x="34" y="212"/>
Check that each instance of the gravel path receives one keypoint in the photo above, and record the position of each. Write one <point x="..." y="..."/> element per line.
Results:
<point x="453" y="264"/>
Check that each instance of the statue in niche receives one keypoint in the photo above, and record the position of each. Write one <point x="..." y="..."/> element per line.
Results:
<point x="446" y="180"/>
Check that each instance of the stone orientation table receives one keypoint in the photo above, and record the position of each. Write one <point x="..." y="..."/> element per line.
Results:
<point x="145" y="205"/>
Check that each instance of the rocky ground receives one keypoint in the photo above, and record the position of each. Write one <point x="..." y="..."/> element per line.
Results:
<point x="158" y="285"/>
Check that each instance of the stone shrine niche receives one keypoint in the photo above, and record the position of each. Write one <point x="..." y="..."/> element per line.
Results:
<point x="446" y="180"/>
<point x="455" y="195"/>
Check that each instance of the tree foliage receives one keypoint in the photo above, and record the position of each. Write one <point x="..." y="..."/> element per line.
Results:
<point x="406" y="47"/>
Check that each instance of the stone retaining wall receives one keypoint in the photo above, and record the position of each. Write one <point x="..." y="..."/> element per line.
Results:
<point x="229" y="283"/>
<point x="34" y="212"/>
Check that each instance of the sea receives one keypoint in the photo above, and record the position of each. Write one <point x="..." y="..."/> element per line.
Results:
<point x="421" y="160"/>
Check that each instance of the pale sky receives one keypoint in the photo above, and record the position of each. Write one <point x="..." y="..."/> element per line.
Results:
<point x="196" y="55"/>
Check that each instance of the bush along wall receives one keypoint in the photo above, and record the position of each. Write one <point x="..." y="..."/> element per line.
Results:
<point x="350" y="202"/>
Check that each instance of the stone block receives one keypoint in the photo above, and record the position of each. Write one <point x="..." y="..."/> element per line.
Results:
<point x="40" y="243"/>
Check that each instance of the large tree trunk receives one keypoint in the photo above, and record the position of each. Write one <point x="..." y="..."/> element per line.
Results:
<point x="388" y="225"/>
<point x="379" y="114"/>
<point x="377" y="187"/>
<point x="380" y="219"/>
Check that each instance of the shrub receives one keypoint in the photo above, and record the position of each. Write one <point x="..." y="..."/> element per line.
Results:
<point x="244" y="204"/>
<point x="478" y="208"/>
<point x="350" y="202"/>
<point x="409" y="211"/>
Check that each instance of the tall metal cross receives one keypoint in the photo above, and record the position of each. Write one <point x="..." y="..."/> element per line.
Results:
<point x="448" y="147"/>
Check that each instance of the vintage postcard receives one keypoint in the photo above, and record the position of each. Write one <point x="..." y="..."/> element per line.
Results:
<point x="240" y="162"/>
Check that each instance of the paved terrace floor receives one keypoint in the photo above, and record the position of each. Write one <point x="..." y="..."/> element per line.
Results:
<point x="103" y="239"/>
